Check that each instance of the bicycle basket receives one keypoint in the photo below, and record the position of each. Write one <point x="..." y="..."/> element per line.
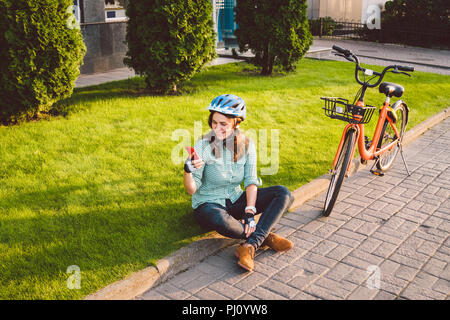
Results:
<point x="339" y="108"/>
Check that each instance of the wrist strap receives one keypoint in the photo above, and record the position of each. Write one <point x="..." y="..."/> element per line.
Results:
<point x="253" y="208"/>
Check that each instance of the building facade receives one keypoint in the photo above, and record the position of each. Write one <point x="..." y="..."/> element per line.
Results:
<point x="349" y="10"/>
<point x="103" y="25"/>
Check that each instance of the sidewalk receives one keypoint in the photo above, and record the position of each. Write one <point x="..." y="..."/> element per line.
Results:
<point x="125" y="73"/>
<point x="422" y="59"/>
<point x="387" y="238"/>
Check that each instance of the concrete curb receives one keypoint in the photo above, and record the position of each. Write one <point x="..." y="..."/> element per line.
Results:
<point x="317" y="53"/>
<point x="186" y="257"/>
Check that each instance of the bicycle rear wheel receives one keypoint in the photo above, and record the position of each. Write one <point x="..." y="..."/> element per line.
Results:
<point x="338" y="175"/>
<point x="388" y="135"/>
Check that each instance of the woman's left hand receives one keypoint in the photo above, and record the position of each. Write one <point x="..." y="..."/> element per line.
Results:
<point x="249" y="224"/>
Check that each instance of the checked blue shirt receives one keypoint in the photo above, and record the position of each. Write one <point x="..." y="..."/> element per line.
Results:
<point x="220" y="178"/>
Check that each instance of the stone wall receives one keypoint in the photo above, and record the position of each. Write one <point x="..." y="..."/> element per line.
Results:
<point x="105" y="46"/>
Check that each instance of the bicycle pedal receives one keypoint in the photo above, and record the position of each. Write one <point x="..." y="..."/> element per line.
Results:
<point x="377" y="173"/>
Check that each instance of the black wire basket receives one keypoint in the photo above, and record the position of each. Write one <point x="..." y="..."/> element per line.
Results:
<point x="339" y="108"/>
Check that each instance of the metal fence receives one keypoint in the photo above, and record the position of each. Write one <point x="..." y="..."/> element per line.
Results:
<point x="326" y="27"/>
<point x="421" y="36"/>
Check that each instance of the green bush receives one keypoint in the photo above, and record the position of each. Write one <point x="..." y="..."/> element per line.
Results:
<point x="169" y="40"/>
<point x="40" y="54"/>
<point x="414" y="22"/>
<point x="277" y="32"/>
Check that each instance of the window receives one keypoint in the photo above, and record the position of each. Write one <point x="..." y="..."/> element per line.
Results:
<point x="76" y="10"/>
<point x="114" y="11"/>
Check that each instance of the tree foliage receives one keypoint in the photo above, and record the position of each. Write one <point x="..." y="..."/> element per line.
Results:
<point x="277" y="32"/>
<point x="414" y="22"/>
<point x="169" y="40"/>
<point x="40" y="54"/>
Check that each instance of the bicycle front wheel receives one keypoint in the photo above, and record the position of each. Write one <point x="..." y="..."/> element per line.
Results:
<point x="337" y="176"/>
<point x="388" y="135"/>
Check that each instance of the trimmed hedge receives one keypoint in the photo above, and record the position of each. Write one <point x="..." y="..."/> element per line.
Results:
<point x="169" y="40"/>
<point x="40" y="54"/>
<point x="277" y="32"/>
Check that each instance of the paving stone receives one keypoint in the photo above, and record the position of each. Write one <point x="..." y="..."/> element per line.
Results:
<point x="173" y="292"/>
<point x="368" y="228"/>
<point x="226" y="290"/>
<point x="363" y="293"/>
<point x="154" y="295"/>
<point x="250" y="282"/>
<point x="384" y="295"/>
<point x="326" y="230"/>
<point x="339" y="252"/>
<point x="340" y="289"/>
<point x="406" y="273"/>
<point x="425" y="280"/>
<point x="435" y="267"/>
<point x="304" y="296"/>
<point x="208" y="294"/>
<point x="302" y="281"/>
<point x="442" y="286"/>
<point x="339" y="272"/>
<point x="368" y="257"/>
<point x="385" y="250"/>
<point x="324" y="247"/>
<point x="263" y="293"/>
<point x="288" y="273"/>
<point x="321" y="292"/>
<point x="414" y="292"/>
<point x="280" y="288"/>
<point x="370" y="244"/>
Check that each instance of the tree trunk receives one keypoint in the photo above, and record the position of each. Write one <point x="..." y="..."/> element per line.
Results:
<point x="266" y="65"/>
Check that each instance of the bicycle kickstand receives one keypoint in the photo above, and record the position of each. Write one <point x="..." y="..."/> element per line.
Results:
<point x="403" y="158"/>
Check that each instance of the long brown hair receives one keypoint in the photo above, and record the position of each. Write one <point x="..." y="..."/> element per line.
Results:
<point x="240" y="141"/>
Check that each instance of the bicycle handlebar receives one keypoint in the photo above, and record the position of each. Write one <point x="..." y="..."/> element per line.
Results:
<point x="405" y="68"/>
<point x="347" y="54"/>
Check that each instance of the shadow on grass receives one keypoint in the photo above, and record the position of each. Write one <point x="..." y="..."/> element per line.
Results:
<point x="103" y="236"/>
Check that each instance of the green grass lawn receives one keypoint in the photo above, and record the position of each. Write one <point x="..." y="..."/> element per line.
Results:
<point x="97" y="188"/>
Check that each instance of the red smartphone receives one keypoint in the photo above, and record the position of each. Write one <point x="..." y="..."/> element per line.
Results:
<point x="191" y="152"/>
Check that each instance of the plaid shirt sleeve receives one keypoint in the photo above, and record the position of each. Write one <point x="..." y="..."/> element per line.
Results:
<point x="250" y="168"/>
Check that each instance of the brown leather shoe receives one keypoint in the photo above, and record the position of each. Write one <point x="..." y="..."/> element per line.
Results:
<point x="246" y="254"/>
<point x="277" y="243"/>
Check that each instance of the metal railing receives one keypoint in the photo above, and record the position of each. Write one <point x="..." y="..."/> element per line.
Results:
<point x="421" y="36"/>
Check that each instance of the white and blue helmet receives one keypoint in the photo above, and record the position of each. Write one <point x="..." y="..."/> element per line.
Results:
<point x="229" y="104"/>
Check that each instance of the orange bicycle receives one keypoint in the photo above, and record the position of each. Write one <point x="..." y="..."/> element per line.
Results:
<point x="387" y="138"/>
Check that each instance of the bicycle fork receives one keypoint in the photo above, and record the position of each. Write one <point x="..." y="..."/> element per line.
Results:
<point x="341" y="144"/>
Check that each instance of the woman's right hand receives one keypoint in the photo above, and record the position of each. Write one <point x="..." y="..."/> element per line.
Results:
<point x="198" y="163"/>
<point x="192" y="165"/>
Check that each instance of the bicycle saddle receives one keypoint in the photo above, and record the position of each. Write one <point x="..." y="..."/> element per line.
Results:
<point x="391" y="89"/>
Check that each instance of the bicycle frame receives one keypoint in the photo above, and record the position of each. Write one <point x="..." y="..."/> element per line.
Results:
<point x="372" y="151"/>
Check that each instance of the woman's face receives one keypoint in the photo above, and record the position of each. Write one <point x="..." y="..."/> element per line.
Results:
<point x="222" y="125"/>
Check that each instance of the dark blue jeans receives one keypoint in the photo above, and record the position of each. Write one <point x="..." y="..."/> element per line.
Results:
<point x="271" y="203"/>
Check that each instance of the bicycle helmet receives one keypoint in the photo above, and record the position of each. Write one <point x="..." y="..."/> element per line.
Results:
<point x="229" y="104"/>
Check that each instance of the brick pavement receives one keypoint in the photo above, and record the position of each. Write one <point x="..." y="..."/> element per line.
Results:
<point x="387" y="238"/>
